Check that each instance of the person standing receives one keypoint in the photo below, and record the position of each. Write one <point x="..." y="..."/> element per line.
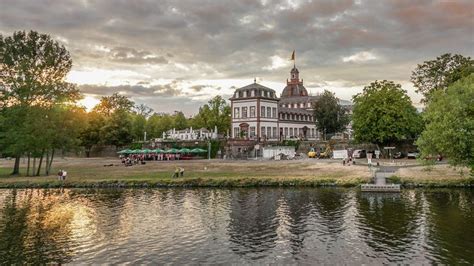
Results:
<point x="64" y="175"/>
<point x="60" y="175"/>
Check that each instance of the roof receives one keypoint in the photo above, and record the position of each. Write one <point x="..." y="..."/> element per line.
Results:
<point x="294" y="90"/>
<point x="259" y="91"/>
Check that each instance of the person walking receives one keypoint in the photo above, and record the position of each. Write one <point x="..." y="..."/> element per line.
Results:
<point x="60" y="175"/>
<point x="64" y="175"/>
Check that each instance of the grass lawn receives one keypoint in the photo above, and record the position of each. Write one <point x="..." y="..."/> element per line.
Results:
<point x="213" y="172"/>
<point x="305" y="172"/>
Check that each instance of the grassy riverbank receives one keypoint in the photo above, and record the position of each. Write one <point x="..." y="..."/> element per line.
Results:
<point x="108" y="172"/>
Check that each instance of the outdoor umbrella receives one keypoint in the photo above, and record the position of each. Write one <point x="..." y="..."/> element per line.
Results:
<point x="198" y="150"/>
<point x="137" y="151"/>
<point x="172" y="150"/>
<point x="157" y="150"/>
<point x="127" y="151"/>
<point x="146" y="151"/>
<point x="185" y="150"/>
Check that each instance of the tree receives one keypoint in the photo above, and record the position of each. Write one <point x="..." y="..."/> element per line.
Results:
<point x="110" y="104"/>
<point x="138" y="126"/>
<point x="143" y="110"/>
<point x="216" y="113"/>
<point x="117" y="129"/>
<point x="179" y="121"/>
<point x="383" y="114"/>
<point x="33" y="68"/>
<point x="449" y="122"/>
<point x="330" y="116"/>
<point x="438" y="74"/>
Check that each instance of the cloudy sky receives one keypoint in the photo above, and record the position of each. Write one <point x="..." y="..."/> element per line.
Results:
<point x="176" y="55"/>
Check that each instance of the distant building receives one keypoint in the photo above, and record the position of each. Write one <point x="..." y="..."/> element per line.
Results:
<point x="258" y="114"/>
<point x="189" y="134"/>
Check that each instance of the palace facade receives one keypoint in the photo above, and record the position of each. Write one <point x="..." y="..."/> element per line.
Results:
<point x="259" y="114"/>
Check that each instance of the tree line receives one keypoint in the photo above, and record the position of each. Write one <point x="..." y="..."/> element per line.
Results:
<point x="40" y="115"/>
<point x="383" y="113"/>
<point x="116" y="120"/>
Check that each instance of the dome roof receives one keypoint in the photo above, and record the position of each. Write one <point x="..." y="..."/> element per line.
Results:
<point x="294" y="90"/>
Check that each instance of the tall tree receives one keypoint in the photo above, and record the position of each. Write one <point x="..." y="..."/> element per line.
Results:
<point x="143" y="110"/>
<point x="110" y="104"/>
<point x="383" y="114"/>
<point x="179" y="121"/>
<point x="330" y="116"/>
<point x="438" y="74"/>
<point x="216" y="113"/>
<point x="450" y="124"/>
<point x="33" y="68"/>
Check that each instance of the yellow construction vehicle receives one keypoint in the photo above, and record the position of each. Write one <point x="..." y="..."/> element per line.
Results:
<point x="328" y="150"/>
<point x="312" y="153"/>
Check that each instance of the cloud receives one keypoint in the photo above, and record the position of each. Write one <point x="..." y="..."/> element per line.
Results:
<point x="119" y="42"/>
<point x="359" y="57"/>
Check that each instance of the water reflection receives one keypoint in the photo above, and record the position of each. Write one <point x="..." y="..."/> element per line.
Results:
<point x="388" y="223"/>
<point x="253" y="221"/>
<point x="451" y="219"/>
<point x="241" y="226"/>
<point x="35" y="228"/>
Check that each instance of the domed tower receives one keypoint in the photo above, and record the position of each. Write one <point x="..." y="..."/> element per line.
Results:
<point x="294" y="86"/>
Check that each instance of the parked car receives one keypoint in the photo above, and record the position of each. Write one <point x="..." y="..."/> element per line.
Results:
<point x="413" y="154"/>
<point x="359" y="154"/>
<point x="398" y="155"/>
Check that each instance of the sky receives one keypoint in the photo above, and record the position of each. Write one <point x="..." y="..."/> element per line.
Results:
<point x="176" y="55"/>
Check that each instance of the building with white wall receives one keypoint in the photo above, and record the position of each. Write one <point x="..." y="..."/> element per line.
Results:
<point x="258" y="114"/>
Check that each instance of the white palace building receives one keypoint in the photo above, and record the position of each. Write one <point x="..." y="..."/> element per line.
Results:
<point x="258" y="114"/>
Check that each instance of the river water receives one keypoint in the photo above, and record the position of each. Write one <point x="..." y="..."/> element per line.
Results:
<point x="250" y="226"/>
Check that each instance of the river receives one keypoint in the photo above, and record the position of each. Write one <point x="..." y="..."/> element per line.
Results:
<point x="250" y="226"/>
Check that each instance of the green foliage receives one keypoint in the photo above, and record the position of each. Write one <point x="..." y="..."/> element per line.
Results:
<point x="36" y="103"/>
<point x="110" y="104"/>
<point x="330" y="116"/>
<point x="294" y="143"/>
<point x="383" y="114"/>
<point x="216" y="113"/>
<point x="179" y="121"/>
<point x="449" y="119"/>
<point x="438" y="74"/>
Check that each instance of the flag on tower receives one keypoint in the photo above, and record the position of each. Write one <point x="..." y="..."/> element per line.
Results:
<point x="293" y="55"/>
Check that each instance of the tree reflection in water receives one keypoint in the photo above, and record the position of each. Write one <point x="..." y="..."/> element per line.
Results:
<point x="388" y="223"/>
<point x="451" y="222"/>
<point x="35" y="231"/>
<point x="253" y="221"/>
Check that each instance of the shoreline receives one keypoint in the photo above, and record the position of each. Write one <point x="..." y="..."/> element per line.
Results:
<point x="232" y="183"/>
<point x="108" y="173"/>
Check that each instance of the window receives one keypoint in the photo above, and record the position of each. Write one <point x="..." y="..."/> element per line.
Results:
<point x="274" y="112"/>
<point x="286" y="131"/>
<point x="252" y="111"/>
<point x="312" y="132"/>
<point x="269" y="112"/>
<point x="253" y="93"/>
<point x="262" y="131"/>
<point x="262" y="111"/>
<point x="252" y="132"/>
<point x="236" y="112"/>
<point x="240" y="94"/>
<point x="275" y="132"/>
<point x="236" y="132"/>
<point x="291" y="131"/>
<point x="244" y="112"/>
<point x="269" y="132"/>
<point x="264" y="93"/>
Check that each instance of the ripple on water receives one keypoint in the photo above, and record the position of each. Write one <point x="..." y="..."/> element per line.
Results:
<point x="202" y="226"/>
